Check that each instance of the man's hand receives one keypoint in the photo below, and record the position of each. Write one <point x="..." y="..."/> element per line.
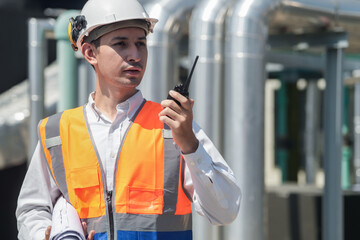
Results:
<point x="47" y="233"/>
<point x="179" y="119"/>
<point x="84" y="226"/>
<point x="91" y="233"/>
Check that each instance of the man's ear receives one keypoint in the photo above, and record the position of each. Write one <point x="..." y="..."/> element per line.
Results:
<point x="89" y="52"/>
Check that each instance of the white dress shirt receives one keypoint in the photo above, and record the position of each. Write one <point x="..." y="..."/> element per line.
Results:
<point x="208" y="179"/>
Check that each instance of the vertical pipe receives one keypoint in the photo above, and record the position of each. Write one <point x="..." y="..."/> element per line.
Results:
<point x="245" y="40"/>
<point x="162" y="70"/>
<point x="357" y="136"/>
<point x="206" y="36"/>
<point x="332" y="199"/>
<point x="87" y="80"/>
<point x="311" y="131"/>
<point x="67" y="63"/>
<point x="37" y="54"/>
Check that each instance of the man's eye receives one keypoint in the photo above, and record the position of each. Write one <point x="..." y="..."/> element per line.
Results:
<point x="141" y="44"/>
<point x="120" y="44"/>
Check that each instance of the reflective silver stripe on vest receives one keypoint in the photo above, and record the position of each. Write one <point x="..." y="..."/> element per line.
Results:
<point x="142" y="222"/>
<point x="53" y="143"/>
<point x="153" y="222"/>
<point x="171" y="173"/>
<point x="97" y="224"/>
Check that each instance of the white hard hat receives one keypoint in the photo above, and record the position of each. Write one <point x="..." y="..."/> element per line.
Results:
<point x="97" y="13"/>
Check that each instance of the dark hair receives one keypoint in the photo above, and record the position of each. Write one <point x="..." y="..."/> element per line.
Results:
<point x="96" y="42"/>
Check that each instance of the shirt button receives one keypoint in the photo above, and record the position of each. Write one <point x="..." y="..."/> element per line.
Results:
<point x="192" y="163"/>
<point x="113" y="155"/>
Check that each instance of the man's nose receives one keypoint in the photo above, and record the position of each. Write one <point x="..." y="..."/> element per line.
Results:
<point x="134" y="54"/>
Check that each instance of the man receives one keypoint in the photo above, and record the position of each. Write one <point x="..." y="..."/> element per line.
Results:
<point x="130" y="167"/>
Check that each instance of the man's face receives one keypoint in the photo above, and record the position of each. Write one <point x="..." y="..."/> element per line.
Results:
<point x="121" y="57"/>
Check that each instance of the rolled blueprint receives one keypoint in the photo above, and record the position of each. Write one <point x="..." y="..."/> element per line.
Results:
<point x="66" y="223"/>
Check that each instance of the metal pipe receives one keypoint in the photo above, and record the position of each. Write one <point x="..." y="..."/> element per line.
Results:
<point x="37" y="53"/>
<point x="333" y="201"/>
<point x="307" y="61"/>
<point x="67" y="63"/>
<point x="311" y="131"/>
<point x="163" y="46"/>
<point x="308" y="8"/>
<point x="347" y="11"/>
<point x="87" y="81"/>
<point x="206" y="39"/>
<point x="246" y="34"/>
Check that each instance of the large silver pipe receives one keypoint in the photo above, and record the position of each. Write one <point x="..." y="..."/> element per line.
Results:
<point x="206" y="39"/>
<point x="163" y="45"/>
<point x="37" y="53"/>
<point x="246" y="34"/>
<point x="86" y="82"/>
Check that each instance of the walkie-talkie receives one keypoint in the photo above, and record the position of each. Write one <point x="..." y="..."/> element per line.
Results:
<point x="183" y="89"/>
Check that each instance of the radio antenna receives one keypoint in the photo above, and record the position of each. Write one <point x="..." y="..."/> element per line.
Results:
<point x="187" y="82"/>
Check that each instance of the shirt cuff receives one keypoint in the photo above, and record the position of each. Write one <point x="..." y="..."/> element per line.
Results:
<point x="199" y="160"/>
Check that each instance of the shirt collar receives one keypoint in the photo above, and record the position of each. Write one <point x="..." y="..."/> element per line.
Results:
<point x="132" y="104"/>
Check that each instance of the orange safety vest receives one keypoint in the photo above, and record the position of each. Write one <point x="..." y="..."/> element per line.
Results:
<point x="148" y="200"/>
